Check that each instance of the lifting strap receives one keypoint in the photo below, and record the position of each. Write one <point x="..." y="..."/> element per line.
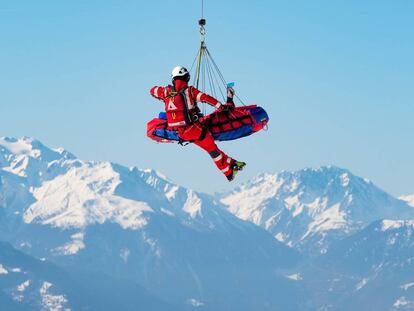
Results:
<point x="208" y="77"/>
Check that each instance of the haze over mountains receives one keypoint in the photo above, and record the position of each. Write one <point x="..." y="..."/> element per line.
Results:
<point x="260" y="247"/>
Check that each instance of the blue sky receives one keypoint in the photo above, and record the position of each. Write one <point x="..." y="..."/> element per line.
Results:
<point x="335" y="76"/>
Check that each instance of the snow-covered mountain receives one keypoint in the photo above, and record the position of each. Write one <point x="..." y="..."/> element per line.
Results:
<point x="409" y="199"/>
<point x="371" y="270"/>
<point x="100" y="217"/>
<point x="310" y="208"/>
<point x="100" y="226"/>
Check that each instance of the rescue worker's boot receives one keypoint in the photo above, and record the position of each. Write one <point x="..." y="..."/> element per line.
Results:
<point x="236" y="166"/>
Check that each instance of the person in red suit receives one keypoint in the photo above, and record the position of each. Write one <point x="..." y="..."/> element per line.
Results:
<point x="183" y="116"/>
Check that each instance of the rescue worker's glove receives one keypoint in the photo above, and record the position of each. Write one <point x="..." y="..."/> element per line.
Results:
<point x="230" y="92"/>
<point x="230" y="95"/>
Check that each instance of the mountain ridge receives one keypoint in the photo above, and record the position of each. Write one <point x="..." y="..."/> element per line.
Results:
<point x="313" y="206"/>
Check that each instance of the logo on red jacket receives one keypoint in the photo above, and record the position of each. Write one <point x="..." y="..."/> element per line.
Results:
<point x="171" y="105"/>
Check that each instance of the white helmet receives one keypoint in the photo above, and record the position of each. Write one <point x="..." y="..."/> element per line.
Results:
<point x="179" y="71"/>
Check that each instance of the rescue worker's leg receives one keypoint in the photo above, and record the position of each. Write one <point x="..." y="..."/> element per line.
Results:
<point x="203" y="138"/>
<point x="222" y="160"/>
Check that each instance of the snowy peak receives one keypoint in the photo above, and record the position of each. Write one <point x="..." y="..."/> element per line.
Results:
<point x="85" y="195"/>
<point x="154" y="178"/>
<point x="312" y="206"/>
<point x="29" y="158"/>
<point x="409" y="199"/>
<point x="323" y="180"/>
<point x="33" y="148"/>
<point x="298" y="190"/>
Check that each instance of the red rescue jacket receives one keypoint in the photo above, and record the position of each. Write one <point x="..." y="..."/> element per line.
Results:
<point x="181" y="102"/>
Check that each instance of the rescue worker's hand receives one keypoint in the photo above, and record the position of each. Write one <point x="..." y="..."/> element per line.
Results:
<point x="230" y="92"/>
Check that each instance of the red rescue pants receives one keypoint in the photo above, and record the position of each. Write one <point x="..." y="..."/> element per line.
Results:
<point x="202" y="137"/>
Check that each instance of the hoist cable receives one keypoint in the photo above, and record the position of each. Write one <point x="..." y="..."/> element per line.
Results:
<point x="214" y="76"/>
<point x="203" y="84"/>
<point x="240" y="100"/>
<point x="199" y="64"/>
<point x="194" y="61"/>
<point x="210" y="76"/>
<point x="206" y="68"/>
<point x="210" y="80"/>
<point x="217" y="69"/>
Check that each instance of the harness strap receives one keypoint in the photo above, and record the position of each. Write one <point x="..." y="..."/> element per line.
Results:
<point x="173" y="93"/>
